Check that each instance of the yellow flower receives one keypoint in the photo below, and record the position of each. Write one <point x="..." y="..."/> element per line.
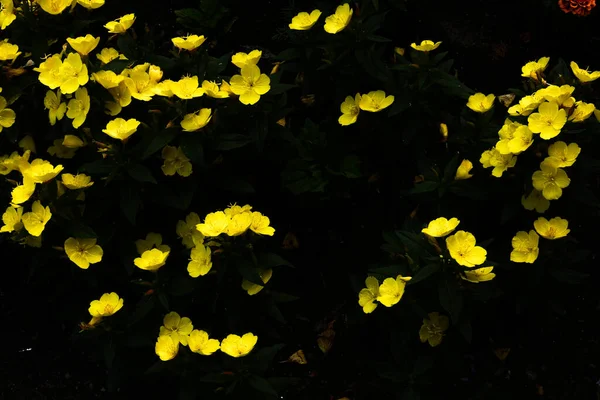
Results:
<point x="441" y="227"/>
<point x="526" y="106"/>
<point x="582" y="111"/>
<point x="477" y="275"/>
<point x="462" y="249"/>
<point x="213" y="90"/>
<point x="78" y="108"/>
<point x="140" y="86"/>
<point x="556" y="228"/>
<point x="108" y="79"/>
<point x="241" y="60"/>
<point x="234" y="209"/>
<point x="304" y="21"/>
<point x="27" y="143"/>
<point x="200" y="261"/>
<point x="236" y="346"/>
<point x="78" y="181"/>
<point x="187" y="88"/>
<point x="189" y="43"/>
<point x="500" y="162"/>
<point x="153" y="240"/>
<point x="506" y="134"/>
<point x="462" y="172"/>
<point x="368" y="295"/>
<point x="84" y="45"/>
<point x="163" y="88"/>
<point x="108" y="305"/>
<point x="521" y="140"/>
<point x="550" y="180"/>
<point x="375" y="101"/>
<point x="481" y="103"/>
<point x="54" y="7"/>
<point x="56" y="108"/>
<point x="14" y="162"/>
<point x="41" y="171"/>
<point x="91" y="4"/>
<point x="558" y="94"/>
<point x="72" y="73"/>
<point x="108" y="54"/>
<point x="120" y="129"/>
<point x="120" y="25"/>
<point x="200" y="343"/>
<point x="260" y="224"/>
<point x="187" y="231"/>
<point x="8" y="51"/>
<point x="433" y="329"/>
<point x="533" y="69"/>
<point x="426" y="46"/>
<point x="253" y="288"/>
<point x="214" y="224"/>
<point x="250" y="85"/>
<point x="196" y="121"/>
<point x="175" y="162"/>
<point x="392" y="290"/>
<point x="61" y="151"/>
<point x="12" y="219"/>
<point x="122" y="98"/>
<point x="22" y="193"/>
<point x="239" y="223"/>
<point x="35" y="221"/>
<point x="350" y="110"/>
<point x="166" y="348"/>
<point x="7" y="13"/>
<point x="72" y="142"/>
<point x="561" y="155"/>
<point x="176" y="327"/>
<point x="151" y="260"/>
<point x="583" y="74"/>
<point x="338" y="21"/>
<point x="525" y="247"/>
<point x="83" y="252"/>
<point x="7" y="115"/>
<point x="535" y="201"/>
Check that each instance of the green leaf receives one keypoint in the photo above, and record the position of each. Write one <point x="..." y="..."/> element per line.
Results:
<point x="232" y="141"/>
<point x="79" y="230"/>
<point x="450" y="170"/>
<point x="263" y="358"/>
<point x="271" y="260"/>
<point x="261" y="384"/>
<point x="98" y="167"/>
<point x="249" y="272"/>
<point x="140" y="173"/>
<point x="156" y="142"/>
<point x="130" y="202"/>
<point x="424" y="273"/>
<point x="280" y="88"/>
<point x="450" y="297"/>
<point x="193" y="147"/>
<point x="424" y="187"/>
<point x="127" y="46"/>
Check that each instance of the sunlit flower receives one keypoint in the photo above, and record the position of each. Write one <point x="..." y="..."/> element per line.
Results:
<point x="375" y="101"/>
<point x="555" y="228"/>
<point x="78" y="107"/>
<point x="583" y="74"/>
<point x="120" y="25"/>
<point x="560" y="155"/>
<point x="200" y="343"/>
<point x="304" y="21"/>
<point x="533" y="69"/>
<point x="197" y="120"/>
<point x="550" y="180"/>
<point x="481" y="103"/>
<point x="189" y="43"/>
<point x="441" y="227"/>
<point x="463" y="250"/>
<point x="200" y="261"/>
<point x="368" y="295"/>
<point x="535" y="201"/>
<point x="35" y="221"/>
<point x="476" y="275"/>
<point x="426" y="46"/>
<point x="582" y="111"/>
<point x="392" y="290"/>
<point x="500" y="162"/>
<point x="177" y="327"/>
<point x="236" y="346"/>
<point x="83" y="252"/>
<point x="525" y="247"/>
<point x="462" y="172"/>
<point x="338" y="21"/>
<point x="241" y="60"/>
<point x="350" y="110"/>
<point x="84" y="44"/>
<point x="250" y="85"/>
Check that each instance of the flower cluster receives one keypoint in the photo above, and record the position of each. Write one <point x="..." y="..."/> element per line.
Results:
<point x="526" y="244"/>
<point x="335" y="23"/>
<point x="374" y="101"/>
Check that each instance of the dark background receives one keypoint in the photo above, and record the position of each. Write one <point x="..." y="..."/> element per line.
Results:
<point x="555" y="356"/>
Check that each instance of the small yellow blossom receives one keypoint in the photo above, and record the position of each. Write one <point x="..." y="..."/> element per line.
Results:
<point x="78" y="108"/>
<point x="108" y="305"/>
<point x="350" y="110"/>
<point x="462" y="172"/>
<point x="462" y="249"/>
<point x="121" y="129"/>
<point x="535" y="201"/>
<point x="166" y="348"/>
<point x="338" y="21"/>
<point x="84" y="45"/>
<point x="241" y="60"/>
<point x="7" y="13"/>
<point x="56" y="108"/>
<point x="187" y="88"/>
<point x="83" y="252"/>
<point x="151" y="260"/>
<point x="253" y="288"/>
<point x="196" y="121"/>
<point x="261" y="224"/>
<point x="41" y="171"/>
<point x="8" y="51"/>
<point x="521" y="140"/>
<point x="153" y="240"/>
<point x="476" y="275"/>
<point x="500" y="162"/>
<point x="582" y="111"/>
<point x="108" y="79"/>
<point x="176" y="327"/>
<point x="550" y="180"/>
<point x="426" y="46"/>
<point x="109" y="54"/>
<point x="375" y="101"/>
<point x="54" y="7"/>
<point x="560" y="95"/>
<point x="481" y="103"/>
<point x="200" y="261"/>
<point x="526" y="106"/>
<point x="78" y="181"/>
<point x="120" y="25"/>
<point x="304" y="21"/>
<point x="187" y="231"/>
<point x="560" y="155"/>
<point x="555" y="228"/>
<point x="250" y="85"/>
<point x="91" y="4"/>
<point x="27" y="143"/>
<point x="35" y="221"/>
<point x="433" y="328"/>
<point x="239" y="223"/>
<point x="200" y="343"/>
<point x="212" y="89"/>
<point x="73" y="74"/>
<point x="368" y="295"/>
<point x="234" y="209"/>
<point x="61" y="151"/>
<point x="175" y="161"/>
<point x="441" y="227"/>
<point x="22" y="193"/>
<point x="534" y="69"/>
<point x="214" y="224"/>
<point x="392" y="290"/>
<point x="14" y="162"/>
<point x="12" y="219"/>
<point x="584" y="75"/>
<point x="525" y="247"/>
<point x="236" y="346"/>
<point x="7" y="115"/>
<point x="72" y="142"/>
<point x="189" y="43"/>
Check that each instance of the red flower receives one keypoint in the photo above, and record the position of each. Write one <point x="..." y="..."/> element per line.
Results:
<point x="577" y="7"/>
